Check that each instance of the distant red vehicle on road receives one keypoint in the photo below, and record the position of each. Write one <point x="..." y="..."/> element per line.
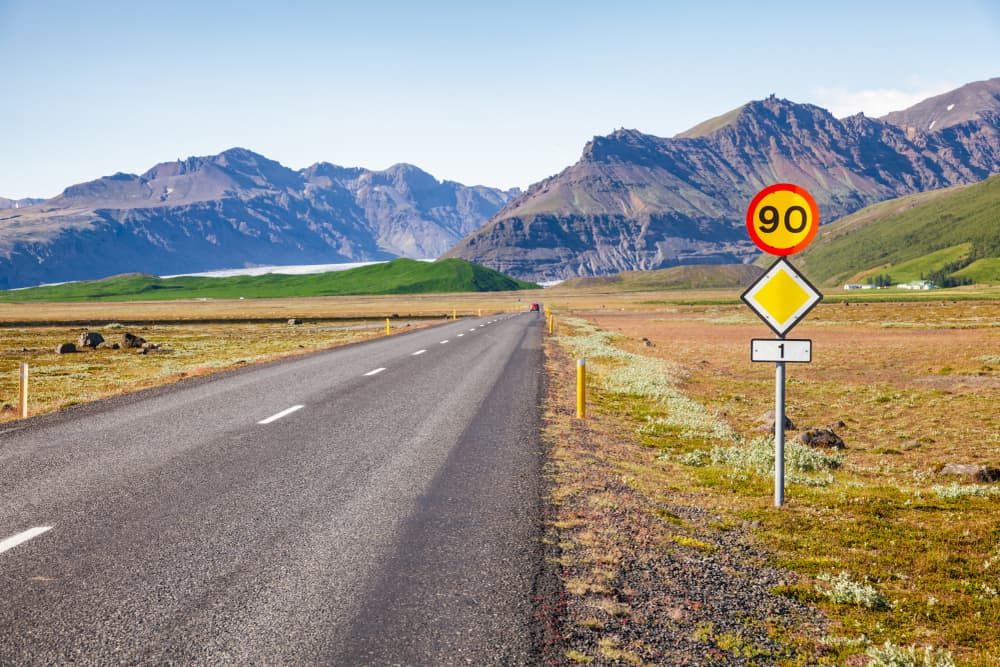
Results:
<point x="535" y="307"/>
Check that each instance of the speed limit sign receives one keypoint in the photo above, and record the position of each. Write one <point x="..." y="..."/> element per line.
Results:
<point x="782" y="219"/>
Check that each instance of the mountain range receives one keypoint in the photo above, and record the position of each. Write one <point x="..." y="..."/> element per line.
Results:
<point x="18" y="203"/>
<point x="233" y="210"/>
<point x="633" y="201"/>
<point x="636" y="201"/>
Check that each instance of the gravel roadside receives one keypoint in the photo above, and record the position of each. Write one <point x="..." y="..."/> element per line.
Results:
<point x="649" y="577"/>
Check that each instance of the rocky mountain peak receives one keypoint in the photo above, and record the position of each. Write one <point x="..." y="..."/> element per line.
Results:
<point x="622" y="144"/>
<point x="636" y="201"/>
<point x="326" y="170"/>
<point x="973" y="102"/>
<point x="408" y="177"/>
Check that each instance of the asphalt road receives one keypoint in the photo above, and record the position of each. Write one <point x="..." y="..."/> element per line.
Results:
<point x="392" y="518"/>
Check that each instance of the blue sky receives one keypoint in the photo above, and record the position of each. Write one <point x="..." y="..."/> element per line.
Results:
<point x="500" y="94"/>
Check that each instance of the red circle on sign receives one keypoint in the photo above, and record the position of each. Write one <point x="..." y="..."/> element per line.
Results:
<point x="789" y="198"/>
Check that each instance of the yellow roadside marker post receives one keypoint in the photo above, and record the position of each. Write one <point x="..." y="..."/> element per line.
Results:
<point x="454" y="314"/>
<point x="581" y="388"/>
<point x="552" y="324"/>
<point x="24" y="390"/>
<point x="387" y="326"/>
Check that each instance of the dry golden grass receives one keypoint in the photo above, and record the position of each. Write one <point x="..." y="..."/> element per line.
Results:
<point x="322" y="308"/>
<point x="61" y="380"/>
<point x="197" y="337"/>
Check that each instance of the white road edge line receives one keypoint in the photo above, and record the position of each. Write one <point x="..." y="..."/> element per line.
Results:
<point x="12" y="542"/>
<point x="374" y="372"/>
<point x="418" y="353"/>
<point x="283" y="413"/>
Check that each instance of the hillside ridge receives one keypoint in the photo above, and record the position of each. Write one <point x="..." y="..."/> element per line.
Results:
<point x="635" y="201"/>
<point x="400" y="276"/>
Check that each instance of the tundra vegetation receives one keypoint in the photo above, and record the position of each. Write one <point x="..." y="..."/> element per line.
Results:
<point x="196" y="337"/>
<point x="900" y="562"/>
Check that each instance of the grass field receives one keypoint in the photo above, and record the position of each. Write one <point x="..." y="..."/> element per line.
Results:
<point x="186" y="350"/>
<point x="888" y="548"/>
<point x="197" y="337"/>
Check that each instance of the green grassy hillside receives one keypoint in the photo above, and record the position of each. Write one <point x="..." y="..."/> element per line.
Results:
<point x="401" y="276"/>
<point x="692" y="276"/>
<point x="952" y="233"/>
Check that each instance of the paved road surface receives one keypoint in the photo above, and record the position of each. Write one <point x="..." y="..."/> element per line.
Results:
<point x="391" y="519"/>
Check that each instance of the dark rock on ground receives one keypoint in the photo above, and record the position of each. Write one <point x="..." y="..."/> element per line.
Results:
<point x="131" y="341"/>
<point x="294" y="320"/>
<point x="90" y="339"/>
<point x="971" y="472"/>
<point x="821" y="437"/>
<point x="767" y="422"/>
<point x="65" y="348"/>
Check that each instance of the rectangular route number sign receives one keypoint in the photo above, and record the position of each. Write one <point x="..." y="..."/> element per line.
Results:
<point x="781" y="349"/>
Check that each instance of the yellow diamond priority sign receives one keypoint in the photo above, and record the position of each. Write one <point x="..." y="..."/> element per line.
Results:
<point x="781" y="297"/>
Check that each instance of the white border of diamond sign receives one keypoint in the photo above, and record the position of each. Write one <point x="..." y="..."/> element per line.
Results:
<point x="781" y="328"/>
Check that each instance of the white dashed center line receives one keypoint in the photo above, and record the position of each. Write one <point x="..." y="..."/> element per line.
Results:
<point x="374" y="372"/>
<point x="283" y="413"/>
<point x="12" y="542"/>
<point x="418" y="353"/>
<point x="443" y="342"/>
<point x="460" y="335"/>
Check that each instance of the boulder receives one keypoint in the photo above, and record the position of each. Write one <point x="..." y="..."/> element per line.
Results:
<point x="647" y="342"/>
<point x="294" y="320"/>
<point x="90" y="339"/>
<point x="767" y="422"/>
<point x="130" y="341"/>
<point x="65" y="348"/>
<point x="821" y="437"/>
<point x="109" y="346"/>
<point x="972" y="472"/>
<point x="151" y="346"/>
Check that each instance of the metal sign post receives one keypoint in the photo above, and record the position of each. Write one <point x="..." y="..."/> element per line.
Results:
<point x="782" y="220"/>
<point x="779" y="433"/>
